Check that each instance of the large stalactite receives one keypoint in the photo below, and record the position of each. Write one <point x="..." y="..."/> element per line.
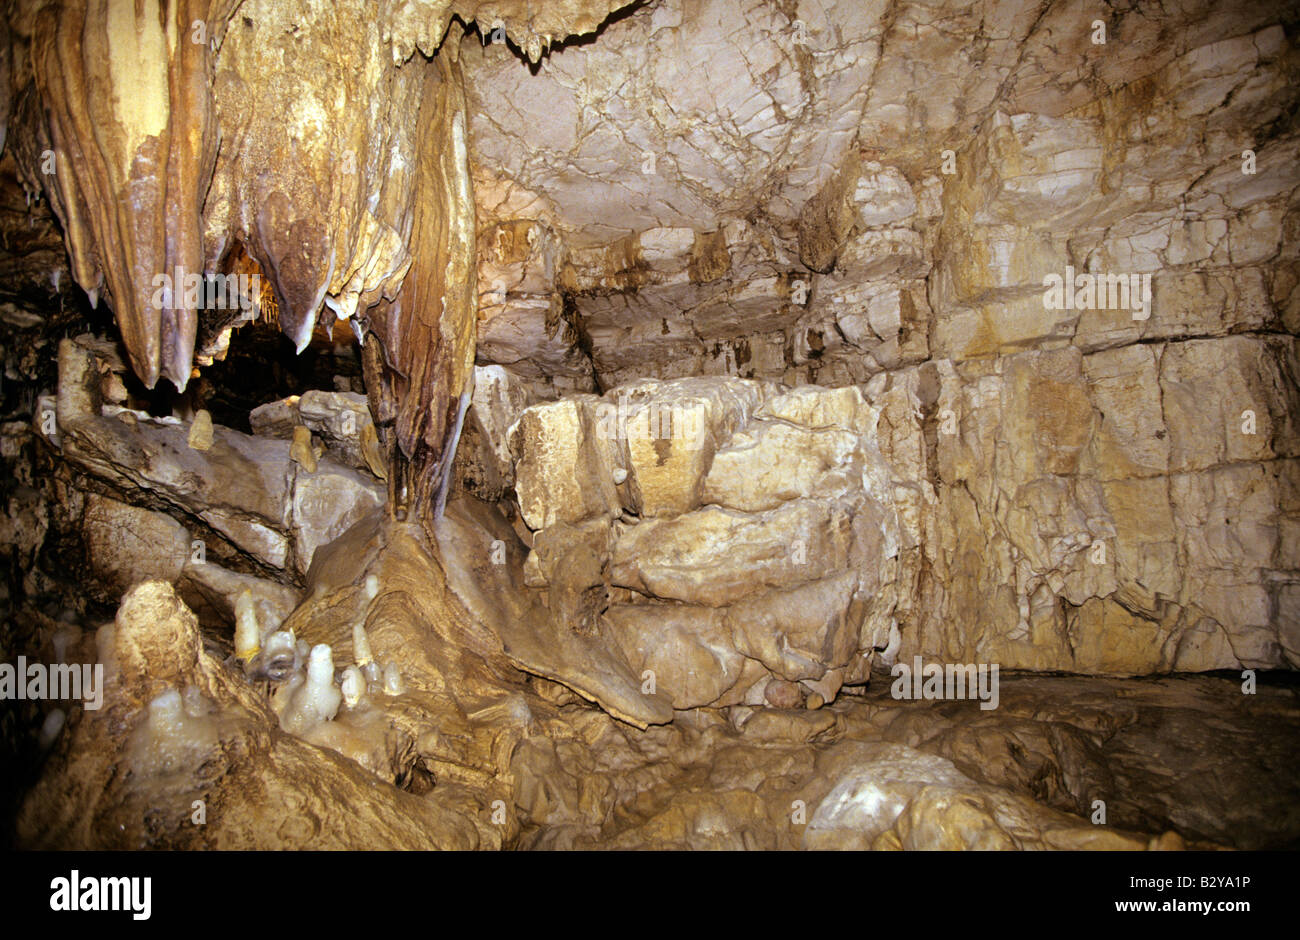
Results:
<point x="428" y="330"/>
<point x="126" y="96"/>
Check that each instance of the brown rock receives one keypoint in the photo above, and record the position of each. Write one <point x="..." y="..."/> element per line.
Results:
<point x="783" y="694"/>
<point x="302" y="452"/>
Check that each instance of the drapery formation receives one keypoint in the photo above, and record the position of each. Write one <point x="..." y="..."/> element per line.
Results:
<point x="124" y="90"/>
<point x="428" y="331"/>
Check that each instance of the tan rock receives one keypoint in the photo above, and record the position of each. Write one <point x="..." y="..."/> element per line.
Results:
<point x="200" y="437"/>
<point x="302" y="451"/>
<point x="372" y="454"/>
<point x="686" y="650"/>
<point x="157" y="650"/>
<point x="770" y="462"/>
<point x="564" y="469"/>
<point x="715" y="556"/>
<point x="326" y="501"/>
<point x="669" y="433"/>
<point x="782" y="694"/>
<point x="127" y="544"/>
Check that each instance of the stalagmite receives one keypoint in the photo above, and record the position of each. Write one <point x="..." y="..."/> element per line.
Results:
<point x="361" y="645"/>
<point x="318" y="698"/>
<point x="200" y="437"/>
<point x="352" y="687"/>
<point x="248" y="633"/>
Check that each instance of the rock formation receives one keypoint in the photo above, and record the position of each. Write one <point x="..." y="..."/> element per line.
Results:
<point x="677" y="384"/>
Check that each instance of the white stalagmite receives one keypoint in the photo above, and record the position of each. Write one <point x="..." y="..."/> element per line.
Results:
<point x="167" y="712"/>
<point x="319" y="698"/>
<point x="361" y="645"/>
<point x="171" y="740"/>
<point x="323" y="696"/>
<point x="354" y="684"/>
<point x="281" y="643"/>
<point x="248" y="635"/>
<point x="280" y="658"/>
<point x="393" y="684"/>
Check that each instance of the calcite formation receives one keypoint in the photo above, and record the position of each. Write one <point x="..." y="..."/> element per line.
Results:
<point x="157" y="121"/>
<point x="879" y="775"/>
<point x="671" y="375"/>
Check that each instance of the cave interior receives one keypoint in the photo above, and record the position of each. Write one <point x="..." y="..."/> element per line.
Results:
<point x="684" y="424"/>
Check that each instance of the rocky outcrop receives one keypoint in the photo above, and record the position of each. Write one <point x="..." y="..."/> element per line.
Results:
<point x="211" y="767"/>
<point x="1092" y="523"/>
<point x="515" y="765"/>
<point x="367" y="213"/>
<point x="1100" y="484"/>
<point x="341" y="420"/>
<point x="720" y="535"/>
<point x="242" y="491"/>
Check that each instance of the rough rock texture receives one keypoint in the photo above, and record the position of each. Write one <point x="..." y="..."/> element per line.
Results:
<point x="1080" y="520"/>
<point x="159" y="120"/>
<point x="871" y="772"/>
<point x="481" y="731"/>
<point x="1105" y="486"/>
<point x="259" y="787"/>
<point x="243" y="489"/>
<point x="719" y="534"/>
<point x="341" y="419"/>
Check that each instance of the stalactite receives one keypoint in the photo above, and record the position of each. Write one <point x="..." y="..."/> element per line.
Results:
<point x="126" y="92"/>
<point x="811" y="569"/>
<point x="427" y="332"/>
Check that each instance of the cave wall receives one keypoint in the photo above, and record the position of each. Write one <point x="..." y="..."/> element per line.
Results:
<point x="1093" y="490"/>
<point x="855" y="203"/>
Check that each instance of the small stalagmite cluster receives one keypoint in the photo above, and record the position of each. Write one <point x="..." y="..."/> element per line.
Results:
<point x="684" y="424"/>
